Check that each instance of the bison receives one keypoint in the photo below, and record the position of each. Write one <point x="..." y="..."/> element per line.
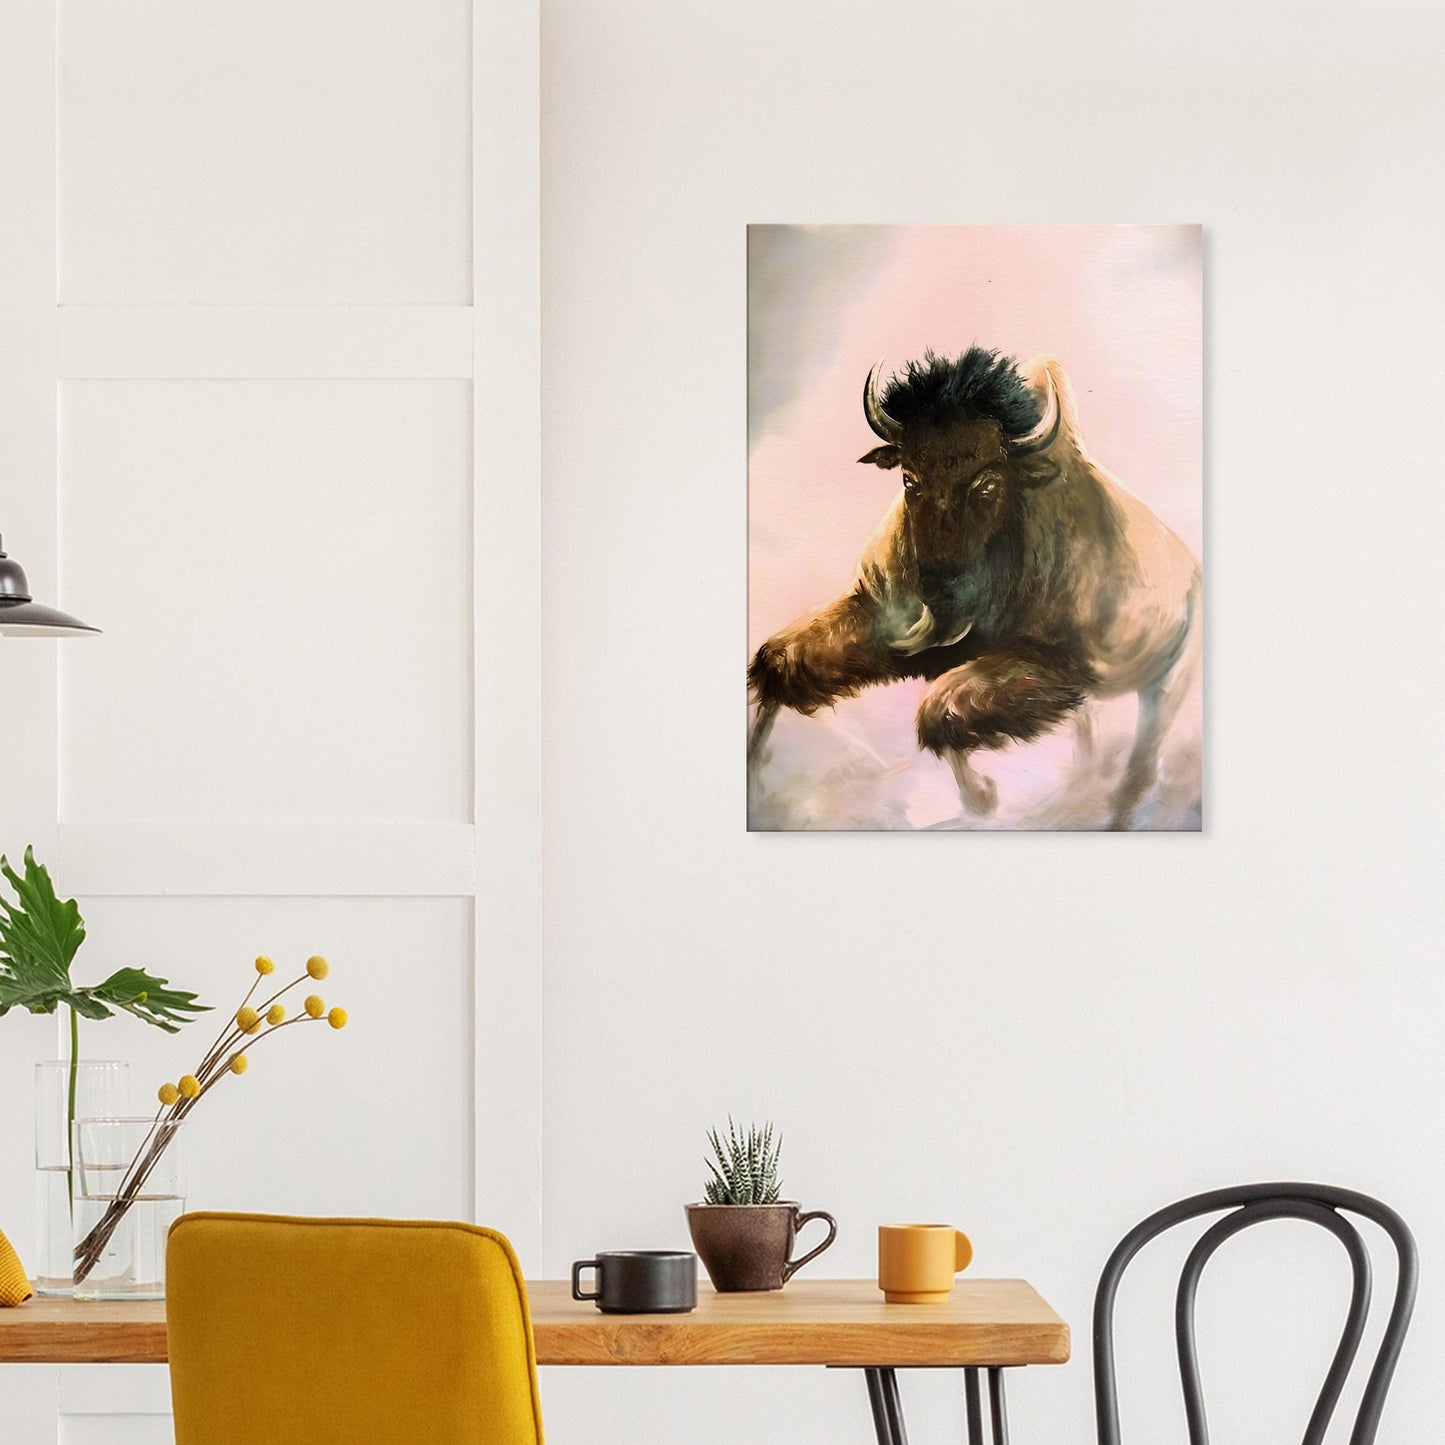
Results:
<point x="1011" y="570"/>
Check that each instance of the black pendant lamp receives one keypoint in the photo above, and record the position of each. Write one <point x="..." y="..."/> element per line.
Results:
<point x="22" y="617"/>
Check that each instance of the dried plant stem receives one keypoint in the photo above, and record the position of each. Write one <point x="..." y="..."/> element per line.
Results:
<point x="90" y="1249"/>
<point x="216" y="1063"/>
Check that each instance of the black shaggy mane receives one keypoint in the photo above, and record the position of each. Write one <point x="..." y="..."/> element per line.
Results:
<point x="980" y="382"/>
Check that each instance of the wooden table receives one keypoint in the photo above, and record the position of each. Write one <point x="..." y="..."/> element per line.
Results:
<point x="987" y="1324"/>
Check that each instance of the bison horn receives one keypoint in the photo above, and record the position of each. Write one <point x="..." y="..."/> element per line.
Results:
<point x="1044" y="434"/>
<point x="878" y="419"/>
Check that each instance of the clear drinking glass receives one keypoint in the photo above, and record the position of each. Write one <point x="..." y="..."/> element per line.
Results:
<point x="129" y="1190"/>
<point x="100" y="1088"/>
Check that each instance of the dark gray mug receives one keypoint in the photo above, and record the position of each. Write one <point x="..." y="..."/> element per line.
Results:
<point x="640" y="1281"/>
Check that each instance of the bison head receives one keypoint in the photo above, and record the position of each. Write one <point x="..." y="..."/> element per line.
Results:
<point x="971" y="437"/>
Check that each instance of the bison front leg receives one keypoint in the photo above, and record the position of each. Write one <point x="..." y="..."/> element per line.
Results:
<point x="758" y="733"/>
<point x="1000" y="697"/>
<point x="829" y="654"/>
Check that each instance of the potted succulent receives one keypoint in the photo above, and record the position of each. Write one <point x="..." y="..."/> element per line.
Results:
<point x="742" y="1229"/>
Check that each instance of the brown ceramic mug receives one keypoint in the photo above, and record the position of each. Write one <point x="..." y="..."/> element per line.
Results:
<point x="750" y="1246"/>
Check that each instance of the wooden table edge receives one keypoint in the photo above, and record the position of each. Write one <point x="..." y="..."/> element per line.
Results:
<point x="818" y="1322"/>
<point x="61" y="1331"/>
<point x="617" y="1346"/>
<point x="134" y="1335"/>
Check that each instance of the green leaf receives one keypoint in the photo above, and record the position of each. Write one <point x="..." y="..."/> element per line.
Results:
<point x="81" y="1000"/>
<point x="746" y="1168"/>
<point x="39" y="936"/>
<point x="36" y="998"/>
<point x="147" y="997"/>
<point x="715" y="1191"/>
<point x="47" y="1000"/>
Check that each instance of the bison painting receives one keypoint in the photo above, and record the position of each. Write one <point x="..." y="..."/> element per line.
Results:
<point x="1011" y="571"/>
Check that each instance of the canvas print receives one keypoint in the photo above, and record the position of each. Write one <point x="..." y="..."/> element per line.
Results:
<point x="975" y="513"/>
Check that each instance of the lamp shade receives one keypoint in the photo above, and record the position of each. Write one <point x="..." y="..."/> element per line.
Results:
<point x="21" y="615"/>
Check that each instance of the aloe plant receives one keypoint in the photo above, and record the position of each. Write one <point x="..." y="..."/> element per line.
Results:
<point x="744" y="1166"/>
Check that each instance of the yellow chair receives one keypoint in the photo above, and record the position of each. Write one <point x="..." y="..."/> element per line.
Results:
<point x="347" y="1332"/>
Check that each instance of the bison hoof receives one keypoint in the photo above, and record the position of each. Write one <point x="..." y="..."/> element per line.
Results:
<point x="758" y="750"/>
<point x="979" y="794"/>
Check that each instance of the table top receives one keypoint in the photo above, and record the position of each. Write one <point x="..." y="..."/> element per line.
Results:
<point x="811" y="1322"/>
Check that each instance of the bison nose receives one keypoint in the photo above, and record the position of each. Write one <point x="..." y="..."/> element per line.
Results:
<point x="933" y="583"/>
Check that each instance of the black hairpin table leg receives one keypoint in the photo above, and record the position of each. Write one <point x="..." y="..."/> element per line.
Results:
<point x="974" y="1407"/>
<point x="887" y="1407"/>
<point x="997" y="1409"/>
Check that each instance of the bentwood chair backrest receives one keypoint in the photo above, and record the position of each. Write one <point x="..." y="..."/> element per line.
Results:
<point x="346" y="1332"/>
<point x="1249" y="1204"/>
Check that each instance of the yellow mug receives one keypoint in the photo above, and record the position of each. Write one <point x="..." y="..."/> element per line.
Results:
<point x="917" y="1262"/>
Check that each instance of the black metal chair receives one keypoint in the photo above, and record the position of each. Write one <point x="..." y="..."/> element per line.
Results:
<point x="1316" y="1203"/>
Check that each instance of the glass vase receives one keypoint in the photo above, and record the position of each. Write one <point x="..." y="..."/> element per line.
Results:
<point x="100" y="1088"/>
<point x="129" y="1190"/>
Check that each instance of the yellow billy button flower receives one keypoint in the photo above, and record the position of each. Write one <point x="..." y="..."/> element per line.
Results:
<point x="247" y="1020"/>
<point x="317" y="966"/>
<point x="238" y="1064"/>
<point x="337" y="1018"/>
<point x="168" y="1094"/>
<point x="315" y="1005"/>
<point x="264" y="966"/>
<point x="275" y="1015"/>
<point x="190" y="1087"/>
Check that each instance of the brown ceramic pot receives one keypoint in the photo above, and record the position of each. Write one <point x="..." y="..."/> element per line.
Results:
<point x="749" y="1246"/>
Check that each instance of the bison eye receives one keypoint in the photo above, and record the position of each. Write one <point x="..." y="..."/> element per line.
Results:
<point x="910" y="485"/>
<point x="986" y="487"/>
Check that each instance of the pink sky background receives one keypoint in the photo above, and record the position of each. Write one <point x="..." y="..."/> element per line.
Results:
<point x="1120" y="306"/>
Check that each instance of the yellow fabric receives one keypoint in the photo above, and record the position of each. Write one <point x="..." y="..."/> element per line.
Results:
<point x="347" y="1332"/>
<point x="14" y="1284"/>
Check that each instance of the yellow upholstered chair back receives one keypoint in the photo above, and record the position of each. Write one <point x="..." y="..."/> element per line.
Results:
<point x="14" y="1286"/>
<point x="347" y="1332"/>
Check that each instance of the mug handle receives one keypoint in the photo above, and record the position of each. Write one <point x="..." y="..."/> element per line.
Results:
<point x="577" y="1269"/>
<point x="794" y="1265"/>
<point x="962" y="1251"/>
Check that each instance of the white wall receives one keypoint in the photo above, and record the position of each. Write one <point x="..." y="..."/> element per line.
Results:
<point x="1042" y="1037"/>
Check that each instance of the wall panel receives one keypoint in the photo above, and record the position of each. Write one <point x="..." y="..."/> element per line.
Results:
<point x="279" y="565"/>
<point x="241" y="436"/>
<point x="269" y="341"/>
<point x="281" y="151"/>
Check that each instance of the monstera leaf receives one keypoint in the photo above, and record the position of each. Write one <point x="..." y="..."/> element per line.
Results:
<point x="39" y="937"/>
<point x="145" y="996"/>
